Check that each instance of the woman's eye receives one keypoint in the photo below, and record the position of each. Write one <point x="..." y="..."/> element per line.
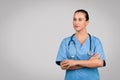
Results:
<point x="80" y="19"/>
<point x="74" y="19"/>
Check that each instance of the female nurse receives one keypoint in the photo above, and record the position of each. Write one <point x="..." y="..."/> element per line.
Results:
<point x="82" y="53"/>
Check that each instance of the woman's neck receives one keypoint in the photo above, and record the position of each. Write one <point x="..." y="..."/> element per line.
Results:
<point x="82" y="34"/>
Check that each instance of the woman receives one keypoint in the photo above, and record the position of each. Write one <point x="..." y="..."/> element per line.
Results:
<point x="81" y="54"/>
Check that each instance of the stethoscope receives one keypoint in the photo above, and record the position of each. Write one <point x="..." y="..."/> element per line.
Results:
<point x="72" y="41"/>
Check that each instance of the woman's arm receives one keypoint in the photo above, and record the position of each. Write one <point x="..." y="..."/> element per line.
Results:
<point x="69" y="65"/>
<point x="63" y="67"/>
<point x="90" y="63"/>
<point x="75" y="67"/>
<point x="93" y="62"/>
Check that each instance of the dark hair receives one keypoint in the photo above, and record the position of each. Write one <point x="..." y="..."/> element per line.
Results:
<point x="83" y="11"/>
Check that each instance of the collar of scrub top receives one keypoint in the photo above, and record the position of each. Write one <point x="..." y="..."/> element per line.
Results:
<point x="90" y="49"/>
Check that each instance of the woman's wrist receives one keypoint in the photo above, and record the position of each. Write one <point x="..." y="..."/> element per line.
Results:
<point x="77" y="62"/>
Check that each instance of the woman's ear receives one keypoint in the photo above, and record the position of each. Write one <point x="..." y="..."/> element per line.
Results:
<point x="87" y="22"/>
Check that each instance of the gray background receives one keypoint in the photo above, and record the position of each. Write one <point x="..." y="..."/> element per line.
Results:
<point x="31" y="32"/>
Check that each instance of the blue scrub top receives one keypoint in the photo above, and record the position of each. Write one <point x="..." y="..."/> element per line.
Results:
<point x="80" y="53"/>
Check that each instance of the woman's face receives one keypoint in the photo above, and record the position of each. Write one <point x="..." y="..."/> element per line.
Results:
<point x="79" y="21"/>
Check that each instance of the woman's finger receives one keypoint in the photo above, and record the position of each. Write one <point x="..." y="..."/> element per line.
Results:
<point x="64" y="65"/>
<point x="64" y="62"/>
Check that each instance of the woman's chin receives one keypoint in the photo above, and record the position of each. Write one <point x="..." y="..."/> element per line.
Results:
<point x="77" y="30"/>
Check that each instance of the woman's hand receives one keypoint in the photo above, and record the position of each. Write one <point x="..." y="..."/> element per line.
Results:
<point x="96" y="56"/>
<point x="67" y="64"/>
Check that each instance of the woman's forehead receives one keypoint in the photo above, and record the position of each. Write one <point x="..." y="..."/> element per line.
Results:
<point x="79" y="14"/>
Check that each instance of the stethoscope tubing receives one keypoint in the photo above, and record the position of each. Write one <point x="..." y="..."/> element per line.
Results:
<point x="90" y="49"/>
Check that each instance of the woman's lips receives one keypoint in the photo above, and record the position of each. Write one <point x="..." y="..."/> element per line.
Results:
<point x="76" y="26"/>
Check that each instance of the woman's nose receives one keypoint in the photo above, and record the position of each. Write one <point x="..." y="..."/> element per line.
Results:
<point x="76" y="23"/>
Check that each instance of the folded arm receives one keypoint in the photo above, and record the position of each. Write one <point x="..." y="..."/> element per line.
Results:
<point x="93" y="62"/>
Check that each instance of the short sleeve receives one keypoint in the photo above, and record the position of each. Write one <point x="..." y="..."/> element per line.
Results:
<point x="99" y="50"/>
<point x="61" y="55"/>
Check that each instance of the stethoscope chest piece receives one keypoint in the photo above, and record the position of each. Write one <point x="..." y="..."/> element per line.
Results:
<point x="90" y="53"/>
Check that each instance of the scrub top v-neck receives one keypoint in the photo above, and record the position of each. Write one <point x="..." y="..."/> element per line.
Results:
<point x="80" y="46"/>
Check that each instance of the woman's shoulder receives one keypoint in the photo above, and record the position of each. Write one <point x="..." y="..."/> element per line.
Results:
<point x="95" y="38"/>
<point x="66" y="39"/>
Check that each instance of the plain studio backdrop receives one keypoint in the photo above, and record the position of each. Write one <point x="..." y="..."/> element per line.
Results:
<point x="32" y="30"/>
